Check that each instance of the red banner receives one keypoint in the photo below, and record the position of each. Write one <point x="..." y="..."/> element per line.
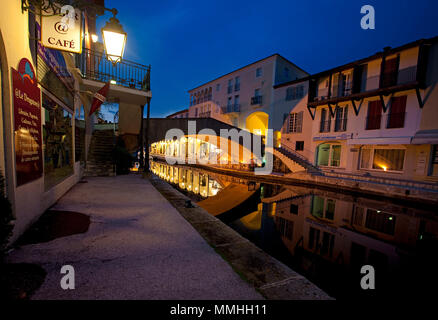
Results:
<point x="27" y="123"/>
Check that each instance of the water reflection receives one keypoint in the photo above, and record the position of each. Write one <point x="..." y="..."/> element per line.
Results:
<point x="328" y="236"/>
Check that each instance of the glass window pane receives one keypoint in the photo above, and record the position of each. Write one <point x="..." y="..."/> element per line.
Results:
<point x="365" y="159"/>
<point x="389" y="159"/>
<point x="323" y="154"/>
<point x="336" y="156"/>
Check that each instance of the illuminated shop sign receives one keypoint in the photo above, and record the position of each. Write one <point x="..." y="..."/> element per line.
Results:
<point x="27" y="123"/>
<point x="61" y="28"/>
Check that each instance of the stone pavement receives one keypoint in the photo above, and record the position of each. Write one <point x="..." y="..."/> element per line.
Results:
<point x="137" y="247"/>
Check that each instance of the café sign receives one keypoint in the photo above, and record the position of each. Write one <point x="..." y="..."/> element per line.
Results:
<point x="27" y="123"/>
<point x="61" y="28"/>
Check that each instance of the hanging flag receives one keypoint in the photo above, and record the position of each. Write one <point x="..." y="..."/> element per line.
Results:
<point x="99" y="98"/>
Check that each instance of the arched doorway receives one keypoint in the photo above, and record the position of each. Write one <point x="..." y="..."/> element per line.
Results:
<point x="257" y="123"/>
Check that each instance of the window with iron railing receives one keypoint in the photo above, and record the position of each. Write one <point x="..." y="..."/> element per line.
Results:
<point x="237" y="84"/>
<point x="256" y="100"/>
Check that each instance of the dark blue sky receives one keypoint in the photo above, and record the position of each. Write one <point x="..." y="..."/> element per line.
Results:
<point x="191" y="42"/>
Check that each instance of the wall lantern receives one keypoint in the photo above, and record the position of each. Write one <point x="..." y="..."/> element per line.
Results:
<point x="114" y="39"/>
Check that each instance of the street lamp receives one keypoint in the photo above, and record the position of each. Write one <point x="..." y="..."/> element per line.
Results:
<point x="114" y="39"/>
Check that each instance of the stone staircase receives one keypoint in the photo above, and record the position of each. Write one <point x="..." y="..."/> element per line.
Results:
<point x="288" y="155"/>
<point x="100" y="161"/>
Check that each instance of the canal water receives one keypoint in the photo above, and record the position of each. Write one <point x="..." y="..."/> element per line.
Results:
<point x="325" y="235"/>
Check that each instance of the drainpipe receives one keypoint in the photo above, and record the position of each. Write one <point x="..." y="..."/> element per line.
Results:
<point x="141" y="142"/>
<point x="147" y="134"/>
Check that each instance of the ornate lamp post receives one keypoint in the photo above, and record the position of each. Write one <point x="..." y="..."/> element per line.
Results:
<point x="114" y="39"/>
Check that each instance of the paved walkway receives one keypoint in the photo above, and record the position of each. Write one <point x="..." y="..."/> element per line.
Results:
<point x="137" y="247"/>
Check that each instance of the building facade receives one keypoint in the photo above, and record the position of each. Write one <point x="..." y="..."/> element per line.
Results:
<point x="46" y="95"/>
<point x="244" y="98"/>
<point x="372" y="116"/>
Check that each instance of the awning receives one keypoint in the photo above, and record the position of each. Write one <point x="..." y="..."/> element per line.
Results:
<point x="426" y="137"/>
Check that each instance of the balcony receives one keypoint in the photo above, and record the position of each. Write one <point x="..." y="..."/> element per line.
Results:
<point x="404" y="79"/>
<point x="206" y="114"/>
<point x="257" y="100"/>
<point x="94" y="66"/>
<point x="231" y="108"/>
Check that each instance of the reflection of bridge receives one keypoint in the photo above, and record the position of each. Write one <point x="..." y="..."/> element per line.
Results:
<point x="158" y="127"/>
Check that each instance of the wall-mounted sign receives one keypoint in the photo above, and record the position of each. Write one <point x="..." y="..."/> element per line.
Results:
<point x="27" y="123"/>
<point x="61" y="28"/>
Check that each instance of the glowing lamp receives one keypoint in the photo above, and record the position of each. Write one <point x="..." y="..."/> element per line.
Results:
<point x="114" y="39"/>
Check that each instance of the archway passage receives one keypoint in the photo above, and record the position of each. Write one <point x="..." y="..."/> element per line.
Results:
<point x="257" y="123"/>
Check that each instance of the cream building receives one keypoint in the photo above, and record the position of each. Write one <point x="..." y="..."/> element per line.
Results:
<point x="373" y="116"/>
<point x="244" y="98"/>
<point x="64" y="84"/>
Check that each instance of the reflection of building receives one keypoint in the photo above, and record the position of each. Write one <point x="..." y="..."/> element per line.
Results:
<point x="369" y="116"/>
<point x="193" y="181"/>
<point x="347" y="231"/>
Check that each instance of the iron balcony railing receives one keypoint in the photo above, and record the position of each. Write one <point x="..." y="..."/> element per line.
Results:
<point x="95" y="66"/>
<point x="206" y="114"/>
<point x="231" y="108"/>
<point x="401" y="77"/>
<point x="256" y="100"/>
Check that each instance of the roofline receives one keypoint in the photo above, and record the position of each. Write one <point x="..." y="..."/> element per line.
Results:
<point x="178" y="112"/>
<point x="386" y="51"/>
<point x="248" y="65"/>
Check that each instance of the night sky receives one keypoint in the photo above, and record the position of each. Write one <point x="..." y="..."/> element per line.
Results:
<point x="191" y="42"/>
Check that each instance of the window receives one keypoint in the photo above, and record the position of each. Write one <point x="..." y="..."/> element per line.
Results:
<point x="434" y="161"/>
<point x="58" y="142"/>
<point x="374" y="115"/>
<point x="396" y="117"/>
<point x="258" y="72"/>
<point x="313" y="238"/>
<point x="299" y="145"/>
<point x="390" y="73"/>
<point x="323" y="208"/>
<point x="286" y="73"/>
<point x="325" y="123"/>
<point x="296" y="122"/>
<point x="336" y="156"/>
<point x="382" y="159"/>
<point x="256" y="92"/>
<point x="237" y="84"/>
<point x="365" y="161"/>
<point x="293" y="209"/>
<point x="230" y="86"/>
<point x="341" y="119"/>
<point x="285" y="227"/>
<point x="389" y="159"/>
<point x="380" y="221"/>
<point x="329" y="155"/>
<point x="218" y="87"/>
<point x="236" y="103"/>
<point x="327" y="244"/>
<point x="295" y="93"/>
